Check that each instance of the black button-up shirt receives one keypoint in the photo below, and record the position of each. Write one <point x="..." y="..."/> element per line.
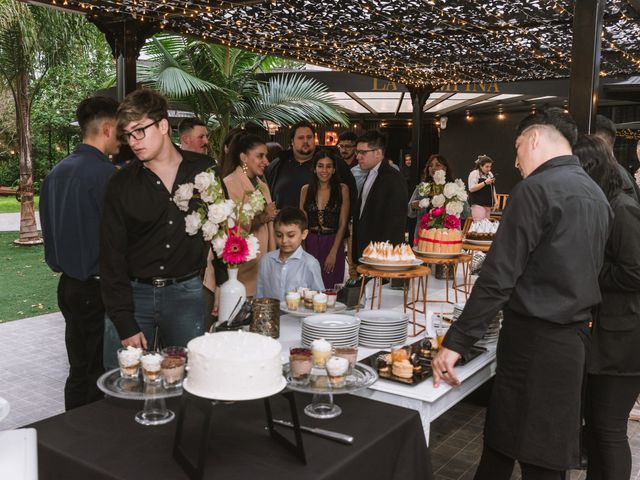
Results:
<point x="143" y="235"/>
<point x="546" y="256"/>
<point x="71" y="199"/>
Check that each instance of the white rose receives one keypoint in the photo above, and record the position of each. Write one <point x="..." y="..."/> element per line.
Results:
<point x="183" y="194"/>
<point x="459" y="183"/>
<point x="203" y="180"/>
<point x="438" y="201"/>
<point x="424" y="203"/>
<point x="218" y="244"/>
<point x="254" y="247"/>
<point x="192" y="223"/>
<point x="209" y="229"/>
<point x="439" y="177"/>
<point x="217" y="213"/>
<point x="450" y="190"/>
<point x="454" y="208"/>
<point x="207" y="195"/>
<point x="462" y="195"/>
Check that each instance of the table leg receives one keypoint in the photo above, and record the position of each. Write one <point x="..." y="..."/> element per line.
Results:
<point x="379" y="293"/>
<point x="373" y="292"/>
<point x="405" y="294"/>
<point x="361" y="292"/>
<point x="455" y="282"/>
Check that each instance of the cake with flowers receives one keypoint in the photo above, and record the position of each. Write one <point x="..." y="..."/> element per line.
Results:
<point x="439" y="240"/>
<point x="385" y="252"/>
<point x="483" y="230"/>
<point x="234" y="366"/>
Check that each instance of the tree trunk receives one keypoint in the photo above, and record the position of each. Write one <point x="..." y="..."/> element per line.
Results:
<point x="28" y="227"/>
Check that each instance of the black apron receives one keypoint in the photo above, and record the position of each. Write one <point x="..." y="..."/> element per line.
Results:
<point x="534" y="413"/>
<point x="484" y="196"/>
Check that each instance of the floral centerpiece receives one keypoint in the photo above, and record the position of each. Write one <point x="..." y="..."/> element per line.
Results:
<point x="440" y="225"/>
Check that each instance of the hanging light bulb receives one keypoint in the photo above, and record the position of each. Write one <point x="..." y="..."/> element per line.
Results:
<point x="501" y="115"/>
<point x="468" y="116"/>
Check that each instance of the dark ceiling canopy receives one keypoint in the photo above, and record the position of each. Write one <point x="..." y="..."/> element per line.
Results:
<point x="413" y="42"/>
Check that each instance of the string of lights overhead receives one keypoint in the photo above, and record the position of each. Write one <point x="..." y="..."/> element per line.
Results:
<point x="413" y="42"/>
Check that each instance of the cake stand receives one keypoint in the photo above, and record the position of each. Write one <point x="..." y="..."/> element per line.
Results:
<point x="155" y="411"/>
<point x="322" y="405"/>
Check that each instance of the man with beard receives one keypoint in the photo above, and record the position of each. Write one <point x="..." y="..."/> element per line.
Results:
<point x="347" y="148"/>
<point x="150" y="266"/>
<point x="542" y="271"/>
<point x="293" y="169"/>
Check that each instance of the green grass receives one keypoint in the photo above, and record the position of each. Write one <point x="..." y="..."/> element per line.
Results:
<point x="27" y="285"/>
<point x="11" y="205"/>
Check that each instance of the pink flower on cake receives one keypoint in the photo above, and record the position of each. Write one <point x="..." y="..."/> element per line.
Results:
<point x="451" y="221"/>
<point x="436" y="212"/>
<point x="236" y="250"/>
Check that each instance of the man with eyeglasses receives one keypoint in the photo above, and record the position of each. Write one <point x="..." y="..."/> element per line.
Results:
<point x="381" y="207"/>
<point x="347" y="148"/>
<point x="150" y="266"/>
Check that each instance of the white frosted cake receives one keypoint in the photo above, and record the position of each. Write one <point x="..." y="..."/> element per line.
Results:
<point x="234" y="366"/>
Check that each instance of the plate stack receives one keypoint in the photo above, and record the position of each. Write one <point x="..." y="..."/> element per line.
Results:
<point x="382" y="328"/>
<point x="493" y="330"/>
<point x="338" y="330"/>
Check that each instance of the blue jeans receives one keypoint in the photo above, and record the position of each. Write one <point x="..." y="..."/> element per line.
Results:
<point x="178" y="312"/>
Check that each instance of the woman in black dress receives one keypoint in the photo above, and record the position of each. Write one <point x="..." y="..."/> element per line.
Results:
<point x="613" y="382"/>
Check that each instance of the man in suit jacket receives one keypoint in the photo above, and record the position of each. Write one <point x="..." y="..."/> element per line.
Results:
<point x="381" y="208"/>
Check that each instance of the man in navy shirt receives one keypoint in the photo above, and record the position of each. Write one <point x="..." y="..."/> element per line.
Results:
<point x="71" y="201"/>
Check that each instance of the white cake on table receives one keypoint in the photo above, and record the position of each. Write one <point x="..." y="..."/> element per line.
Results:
<point x="234" y="366"/>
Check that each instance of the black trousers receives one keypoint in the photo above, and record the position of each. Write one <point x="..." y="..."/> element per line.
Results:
<point x="608" y="403"/>
<point x="496" y="466"/>
<point x="81" y="305"/>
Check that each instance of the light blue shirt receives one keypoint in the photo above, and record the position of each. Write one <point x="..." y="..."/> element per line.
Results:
<point x="276" y="278"/>
<point x="361" y="175"/>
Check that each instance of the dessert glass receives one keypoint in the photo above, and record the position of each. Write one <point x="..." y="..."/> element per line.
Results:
<point x="300" y="364"/>
<point x="129" y="362"/>
<point x="293" y="300"/>
<point x="440" y="333"/>
<point x="151" y="362"/>
<point x="350" y="353"/>
<point x="173" y="366"/>
<point x="319" y="303"/>
<point x="337" y="368"/>
<point x="321" y="352"/>
<point x="308" y="298"/>
<point x="332" y="296"/>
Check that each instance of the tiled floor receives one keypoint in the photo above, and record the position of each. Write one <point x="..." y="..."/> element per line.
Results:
<point x="33" y="368"/>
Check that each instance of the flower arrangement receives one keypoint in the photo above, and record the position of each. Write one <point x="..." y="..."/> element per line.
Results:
<point x="221" y="220"/>
<point x="445" y="202"/>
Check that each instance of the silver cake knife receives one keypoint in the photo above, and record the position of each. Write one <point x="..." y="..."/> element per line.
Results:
<point x="321" y="432"/>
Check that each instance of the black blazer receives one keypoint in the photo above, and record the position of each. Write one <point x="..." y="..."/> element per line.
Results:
<point x="615" y="348"/>
<point x="385" y="212"/>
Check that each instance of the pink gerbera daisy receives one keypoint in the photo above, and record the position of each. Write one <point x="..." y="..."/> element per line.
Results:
<point x="236" y="250"/>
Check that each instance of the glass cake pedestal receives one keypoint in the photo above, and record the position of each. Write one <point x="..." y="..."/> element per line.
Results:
<point x="322" y="405"/>
<point x="155" y="411"/>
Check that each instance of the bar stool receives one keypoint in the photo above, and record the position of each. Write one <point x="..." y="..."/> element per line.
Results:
<point x="464" y="260"/>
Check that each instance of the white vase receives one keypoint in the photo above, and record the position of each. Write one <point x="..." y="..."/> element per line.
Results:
<point x="232" y="293"/>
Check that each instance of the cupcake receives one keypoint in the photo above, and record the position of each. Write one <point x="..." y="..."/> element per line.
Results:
<point x="337" y="368"/>
<point x="321" y="351"/>
<point x="319" y="303"/>
<point x="293" y="300"/>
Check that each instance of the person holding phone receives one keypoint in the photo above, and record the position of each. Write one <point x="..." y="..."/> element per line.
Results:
<point x="482" y="190"/>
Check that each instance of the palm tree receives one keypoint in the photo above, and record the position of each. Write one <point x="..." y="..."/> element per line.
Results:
<point x="32" y="40"/>
<point x="219" y="85"/>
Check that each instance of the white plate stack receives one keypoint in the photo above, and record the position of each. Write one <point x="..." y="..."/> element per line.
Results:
<point x="382" y="328"/>
<point x="338" y="330"/>
<point x="493" y="330"/>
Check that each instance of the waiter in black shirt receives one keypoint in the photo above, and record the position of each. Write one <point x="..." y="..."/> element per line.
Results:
<point x="150" y="266"/>
<point x="542" y="270"/>
<point x="71" y="200"/>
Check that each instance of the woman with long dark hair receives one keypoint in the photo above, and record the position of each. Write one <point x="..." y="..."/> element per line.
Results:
<point x="243" y="169"/>
<point x="613" y="381"/>
<point x="326" y="202"/>
<point x="482" y="191"/>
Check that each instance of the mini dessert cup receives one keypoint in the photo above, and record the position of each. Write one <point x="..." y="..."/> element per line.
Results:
<point x="300" y="364"/>
<point x="321" y="352"/>
<point x="350" y="353"/>
<point x="440" y="333"/>
<point x="332" y="296"/>
<point x="173" y="366"/>
<point x="129" y="361"/>
<point x="293" y="300"/>
<point x="319" y="303"/>
<point x="151" y="368"/>
<point x="308" y="298"/>
<point x="337" y="368"/>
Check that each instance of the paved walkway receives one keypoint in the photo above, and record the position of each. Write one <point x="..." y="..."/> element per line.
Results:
<point x="10" y="222"/>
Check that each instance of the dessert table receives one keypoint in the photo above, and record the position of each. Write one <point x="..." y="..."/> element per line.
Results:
<point x="100" y="441"/>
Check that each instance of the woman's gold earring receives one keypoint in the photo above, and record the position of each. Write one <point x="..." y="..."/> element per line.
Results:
<point x="245" y="169"/>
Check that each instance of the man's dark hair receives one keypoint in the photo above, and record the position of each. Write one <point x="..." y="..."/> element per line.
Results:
<point x="187" y="124"/>
<point x="552" y="117"/>
<point x="598" y="161"/>
<point x="348" y="137"/>
<point x="302" y="124"/>
<point x="606" y="129"/>
<point x="291" y="216"/>
<point x="142" y="103"/>
<point x="375" y="139"/>
<point x="93" y="109"/>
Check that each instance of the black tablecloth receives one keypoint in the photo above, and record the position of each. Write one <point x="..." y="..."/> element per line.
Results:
<point x="103" y="441"/>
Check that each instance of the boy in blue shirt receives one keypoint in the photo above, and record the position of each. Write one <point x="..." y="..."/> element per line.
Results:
<point x="289" y="267"/>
